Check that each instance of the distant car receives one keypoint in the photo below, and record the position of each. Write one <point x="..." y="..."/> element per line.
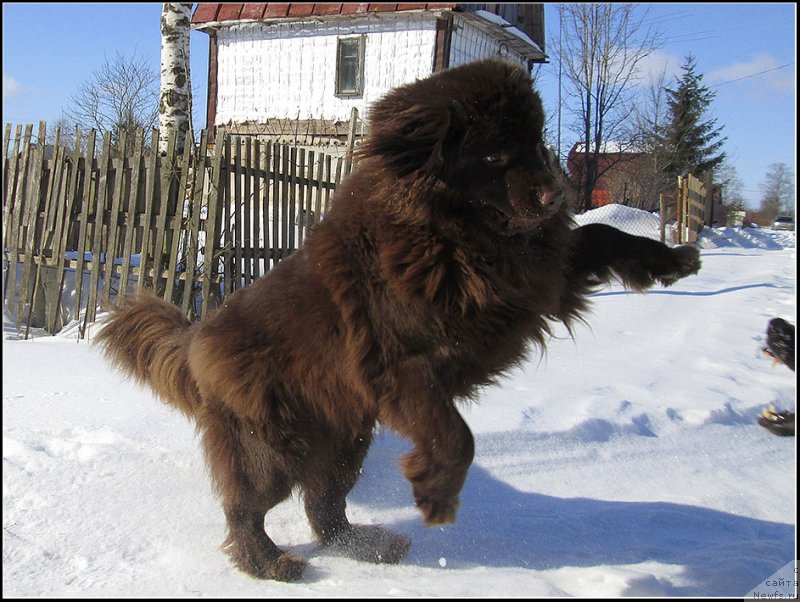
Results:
<point x="783" y="222"/>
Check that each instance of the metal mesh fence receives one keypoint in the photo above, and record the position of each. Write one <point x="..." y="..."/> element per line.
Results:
<point x="633" y="221"/>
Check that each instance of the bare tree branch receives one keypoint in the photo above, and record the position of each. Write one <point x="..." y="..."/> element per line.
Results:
<point x="604" y="45"/>
<point x="121" y="94"/>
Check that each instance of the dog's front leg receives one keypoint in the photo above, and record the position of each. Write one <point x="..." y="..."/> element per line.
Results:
<point x="437" y="466"/>
<point x="600" y="252"/>
<point x="416" y="405"/>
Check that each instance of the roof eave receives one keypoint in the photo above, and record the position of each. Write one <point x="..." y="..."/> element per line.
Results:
<point x="434" y="12"/>
<point x="529" y="51"/>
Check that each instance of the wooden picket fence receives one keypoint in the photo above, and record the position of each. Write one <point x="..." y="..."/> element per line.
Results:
<point x="90" y="223"/>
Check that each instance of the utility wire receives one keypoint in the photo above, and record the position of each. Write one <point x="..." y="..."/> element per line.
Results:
<point x="749" y="76"/>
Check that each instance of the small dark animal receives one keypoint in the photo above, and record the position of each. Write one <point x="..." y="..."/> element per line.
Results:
<point x="780" y="342"/>
<point x="780" y="347"/>
<point x="444" y="257"/>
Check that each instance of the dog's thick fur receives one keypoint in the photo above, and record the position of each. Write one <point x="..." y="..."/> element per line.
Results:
<point x="445" y="255"/>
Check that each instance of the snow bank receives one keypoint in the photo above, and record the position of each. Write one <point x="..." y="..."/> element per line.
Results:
<point x="633" y="221"/>
<point x="745" y="238"/>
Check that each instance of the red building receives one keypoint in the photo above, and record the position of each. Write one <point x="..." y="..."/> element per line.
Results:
<point x="620" y="171"/>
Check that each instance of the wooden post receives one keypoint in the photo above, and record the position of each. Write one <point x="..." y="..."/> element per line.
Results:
<point x="30" y="219"/>
<point x="10" y="180"/>
<point x="109" y="266"/>
<point x="130" y="219"/>
<point x="679" y="210"/>
<point x="266" y="162"/>
<point x="70" y="213"/>
<point x="244" y="176"/>
<point x="151" y="192"/>
<point x="167" y="173"/>
<point x="709" y="201"/>
<point x="255" y="170"/>
<point x="97" y="232"/>
<point x="193" y="235"/>
<point x="215" y="200"/>
<point x="351" y="141"/>
<point x="177" y="222"/>
<point x="89" y="190"/>
<point x="275" y="254"/>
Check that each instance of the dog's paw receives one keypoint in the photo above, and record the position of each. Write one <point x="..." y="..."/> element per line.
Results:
<point x="257" y="560"/>
<point x="287" y="567"/>
<point x="685" y="262"/>
<point x="437" y="511"/>
<point x="371" y="543"/>
<point x="435" y="488"/>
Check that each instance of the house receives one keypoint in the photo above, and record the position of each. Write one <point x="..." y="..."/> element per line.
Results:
<point x="628" y="176"/>
<point x="623" y="175"/>
<point x="293" y="72"/>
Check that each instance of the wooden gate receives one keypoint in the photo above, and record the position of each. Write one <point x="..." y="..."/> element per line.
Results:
<point x="693" y="194"/>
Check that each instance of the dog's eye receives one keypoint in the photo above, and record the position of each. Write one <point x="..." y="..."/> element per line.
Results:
<point x="496" y="159"/>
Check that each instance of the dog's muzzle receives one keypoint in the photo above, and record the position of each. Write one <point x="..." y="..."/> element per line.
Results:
<point x="532" y="205"/>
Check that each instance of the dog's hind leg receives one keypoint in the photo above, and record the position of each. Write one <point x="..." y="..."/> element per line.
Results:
<point x="250" y="482"/>
<point x="328" y="480"/>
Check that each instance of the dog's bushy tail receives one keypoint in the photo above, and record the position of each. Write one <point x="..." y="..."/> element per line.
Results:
<point x="148" y="339"/>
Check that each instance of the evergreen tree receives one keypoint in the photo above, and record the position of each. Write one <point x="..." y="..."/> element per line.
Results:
<point x="691" y="144"/>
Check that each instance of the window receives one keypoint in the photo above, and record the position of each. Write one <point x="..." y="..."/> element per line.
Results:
<point x="350" y="66"/>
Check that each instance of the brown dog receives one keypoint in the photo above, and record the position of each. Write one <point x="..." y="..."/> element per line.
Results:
<point x="445" y="255"/>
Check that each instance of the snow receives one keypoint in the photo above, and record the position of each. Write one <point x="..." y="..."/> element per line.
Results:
<point x="630" y="220"/>
<point x="623" y="462"/>
<point x="498" y="20"/>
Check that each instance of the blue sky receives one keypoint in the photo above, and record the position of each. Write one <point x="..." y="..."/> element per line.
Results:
<point x="746" y="53"/>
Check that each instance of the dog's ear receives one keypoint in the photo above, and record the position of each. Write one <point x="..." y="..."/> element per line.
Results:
<point x="415" y="136"/>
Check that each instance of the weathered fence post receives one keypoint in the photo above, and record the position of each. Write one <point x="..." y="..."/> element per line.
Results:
<point x="351" y="141"/>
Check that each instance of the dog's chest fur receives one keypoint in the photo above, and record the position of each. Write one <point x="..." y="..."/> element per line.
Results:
<point x="468" y="311"/>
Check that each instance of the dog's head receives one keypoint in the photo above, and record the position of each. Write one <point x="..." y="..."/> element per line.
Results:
<point x="474" y="131"/>
<point x="780" y="341"/>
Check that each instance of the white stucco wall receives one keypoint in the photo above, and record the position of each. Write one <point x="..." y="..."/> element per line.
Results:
<point x="287" y="70"/>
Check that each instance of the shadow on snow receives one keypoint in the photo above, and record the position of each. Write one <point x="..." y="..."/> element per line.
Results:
<point x="721" y="554"/>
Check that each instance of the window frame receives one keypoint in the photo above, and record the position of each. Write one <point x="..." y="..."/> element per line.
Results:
<point x="360" y="46"/>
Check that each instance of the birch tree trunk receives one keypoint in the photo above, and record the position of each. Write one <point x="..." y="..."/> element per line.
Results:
<point x="175" y="105"/>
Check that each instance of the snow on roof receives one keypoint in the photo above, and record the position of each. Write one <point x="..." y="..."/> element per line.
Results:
<point x="500" y="21"/>
<point x="610" y="147"/>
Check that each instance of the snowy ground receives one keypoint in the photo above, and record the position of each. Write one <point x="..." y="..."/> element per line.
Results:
<point x="625" y="462"/>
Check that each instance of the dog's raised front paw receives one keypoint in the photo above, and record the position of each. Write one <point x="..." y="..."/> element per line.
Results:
<point x="686" y="261"/>
<point x="437" y="511"/>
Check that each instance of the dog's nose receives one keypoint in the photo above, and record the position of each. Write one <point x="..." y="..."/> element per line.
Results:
<point x="549" y="196"/>
<point x="532" y="190"/>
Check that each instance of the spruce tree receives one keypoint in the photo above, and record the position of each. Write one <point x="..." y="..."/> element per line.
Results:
<point x="691" y="144"/>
